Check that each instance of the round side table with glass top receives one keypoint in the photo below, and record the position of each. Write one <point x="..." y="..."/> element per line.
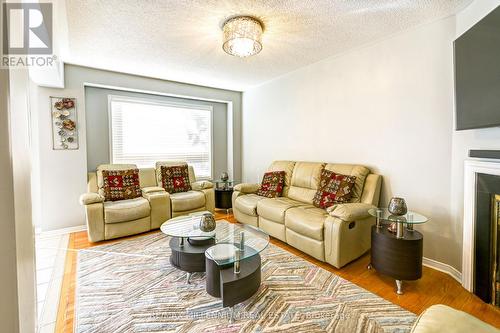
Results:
<point x="397" y="254"/>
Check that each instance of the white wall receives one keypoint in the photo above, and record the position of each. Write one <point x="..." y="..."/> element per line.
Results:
<point x="60" y="176"/>
<point x="388" y="106"/>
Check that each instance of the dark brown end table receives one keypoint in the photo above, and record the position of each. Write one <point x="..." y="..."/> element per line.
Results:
<point x="399" y="258"/>
<point x="223" y="195"/>
<point x="399" y="254"/>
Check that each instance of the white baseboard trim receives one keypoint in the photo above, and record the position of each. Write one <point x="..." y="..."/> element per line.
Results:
<point x="445" y="268"/>
<point x="62" y="231"/>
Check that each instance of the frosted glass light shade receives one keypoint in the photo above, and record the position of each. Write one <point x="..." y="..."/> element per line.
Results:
<point x="242" y="36"/>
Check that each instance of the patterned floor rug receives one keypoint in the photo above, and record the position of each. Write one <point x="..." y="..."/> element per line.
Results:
<point x="130" y="286"/>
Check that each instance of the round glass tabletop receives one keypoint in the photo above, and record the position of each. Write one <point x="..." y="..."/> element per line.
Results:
<point x="410" y="217"/>
<point x="236" y="241"/>
<point x="187" y="226"/>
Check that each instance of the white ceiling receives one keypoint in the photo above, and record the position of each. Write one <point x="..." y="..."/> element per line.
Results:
<point x="180" y="40"/>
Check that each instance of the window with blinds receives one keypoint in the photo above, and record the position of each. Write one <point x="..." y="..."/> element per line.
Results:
<point x="146" y="131"/>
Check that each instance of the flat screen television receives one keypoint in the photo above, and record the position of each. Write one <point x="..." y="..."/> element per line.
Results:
<point x="477" y="74"/>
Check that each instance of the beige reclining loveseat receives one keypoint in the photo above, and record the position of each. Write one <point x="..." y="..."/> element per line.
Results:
<point x="113" y="219"/>
<point x="337" y="235"/>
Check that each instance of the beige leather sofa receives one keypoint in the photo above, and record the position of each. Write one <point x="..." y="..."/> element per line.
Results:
<point x="113" y="219"/>
<point x="336" y="236"/>
<point x="441" y="318"/>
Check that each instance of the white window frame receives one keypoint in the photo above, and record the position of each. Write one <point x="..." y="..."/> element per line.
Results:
<point x="143" y="100"/>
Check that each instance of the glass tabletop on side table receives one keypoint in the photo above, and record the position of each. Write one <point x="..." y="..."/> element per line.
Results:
<point x="223" y="184"/>
<point x="408" y="219"/>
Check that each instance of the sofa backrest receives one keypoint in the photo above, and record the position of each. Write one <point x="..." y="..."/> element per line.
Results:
<point x="305" y="181"/>
<point x="286" y="166"/>
<point x="147" y="178"/>
<point x="302" y="182"/>
<point x="371" y="190"/>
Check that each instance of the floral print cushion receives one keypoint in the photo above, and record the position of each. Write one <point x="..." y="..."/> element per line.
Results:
<point x="333" y="188"/>
<point x="272" y="184"/>
<point x="175" y="179"/>
<point x="121" y="184"/>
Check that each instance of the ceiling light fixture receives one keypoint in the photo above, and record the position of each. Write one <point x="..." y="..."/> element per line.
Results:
<point x="242" y="36"/>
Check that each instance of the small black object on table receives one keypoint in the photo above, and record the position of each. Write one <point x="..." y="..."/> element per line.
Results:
<point x="398" y="255"/>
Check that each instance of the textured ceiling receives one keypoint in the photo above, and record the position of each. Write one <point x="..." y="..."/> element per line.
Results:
<point x="180" y="40"/>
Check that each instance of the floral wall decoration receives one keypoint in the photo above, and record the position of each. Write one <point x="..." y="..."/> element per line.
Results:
<point x="64" y="123"/>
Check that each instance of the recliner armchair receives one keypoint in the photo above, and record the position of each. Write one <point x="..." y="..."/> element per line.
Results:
<point x="112" y="219"/>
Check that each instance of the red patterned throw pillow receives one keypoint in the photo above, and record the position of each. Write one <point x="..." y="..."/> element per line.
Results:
<point x="175" y="178"/>
<point x="121" y="184"/>
<point x="272" y="184"/>
<point x="333" y="188"/>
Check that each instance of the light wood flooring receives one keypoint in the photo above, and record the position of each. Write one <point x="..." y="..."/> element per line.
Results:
<point x="433" y="288"/>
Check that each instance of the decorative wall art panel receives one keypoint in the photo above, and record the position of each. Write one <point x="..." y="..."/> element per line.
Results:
<point x="64" y="123"/>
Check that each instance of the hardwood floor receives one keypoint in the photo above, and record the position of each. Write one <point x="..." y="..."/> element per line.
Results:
<point x="433" y="288"/>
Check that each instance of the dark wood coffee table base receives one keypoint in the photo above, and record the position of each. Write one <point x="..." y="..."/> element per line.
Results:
<point x="189" y="256"/>
<point x="233" y="288"/>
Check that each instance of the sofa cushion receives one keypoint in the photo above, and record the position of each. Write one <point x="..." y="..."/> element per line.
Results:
<point x="272" y="184"/>
<point x="286" y="166"/>
<point x="274" y="209"/>
<point x="175" y="178"/>
<point x="441" y="318"/>
<point x="333" y="188"/>
<point x="184" y="201"/>
<point x="159" y="164"/>
<point x="305" y="181"/>
<point x="359" y="171"/>
<point x="307" y="221"/>
<point x="126" y="210"/>
<point x="121" y="184"/>
<point x="102" y="167"/>
<point x="247" y="204"/>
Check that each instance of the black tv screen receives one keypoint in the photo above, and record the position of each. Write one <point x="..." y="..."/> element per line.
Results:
<point x="477" y="74"/>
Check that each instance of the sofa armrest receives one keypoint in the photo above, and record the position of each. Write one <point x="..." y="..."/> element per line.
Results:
<point x="94" y="213"/>
<point x="209" y="199"/>
<point x="350" y="211"/>
<point x="152" y="189"/>
<point x="247" y="188"/>
<point x="159" y="201"/>
<point x="90" y="198"/>
<point x="201" y="185"/>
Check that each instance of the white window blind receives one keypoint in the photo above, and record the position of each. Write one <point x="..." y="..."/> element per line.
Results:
<point x="146" y="131"/>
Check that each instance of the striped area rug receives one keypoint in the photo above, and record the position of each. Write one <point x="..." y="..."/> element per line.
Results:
<point x="130" y="286"/>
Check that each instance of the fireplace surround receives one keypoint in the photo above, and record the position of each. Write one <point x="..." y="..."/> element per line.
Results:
<point x="480" y="240"/>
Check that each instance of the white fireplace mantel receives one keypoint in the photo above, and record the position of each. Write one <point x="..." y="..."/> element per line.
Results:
<point x="471" y="169"/>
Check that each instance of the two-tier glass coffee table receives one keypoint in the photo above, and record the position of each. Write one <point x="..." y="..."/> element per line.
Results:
<point x="399" y="254"/>
<point x="230" y="255"/>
